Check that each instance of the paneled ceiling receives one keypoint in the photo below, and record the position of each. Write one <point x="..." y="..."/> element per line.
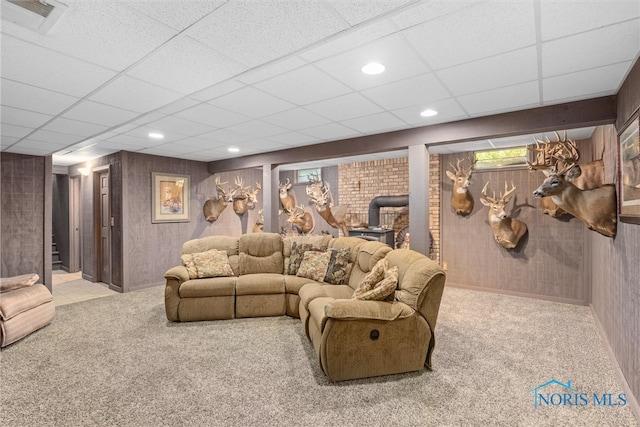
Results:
<point x="267" y="75"/>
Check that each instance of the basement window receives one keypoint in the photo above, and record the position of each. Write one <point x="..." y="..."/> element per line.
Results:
<point x="504" y="158"/>
<point x="306" y="175"/>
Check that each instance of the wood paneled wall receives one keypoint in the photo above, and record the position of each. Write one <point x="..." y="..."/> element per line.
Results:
<point x="551" y="261"/>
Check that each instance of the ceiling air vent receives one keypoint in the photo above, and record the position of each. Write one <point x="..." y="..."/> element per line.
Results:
<point x="38" y="15"/>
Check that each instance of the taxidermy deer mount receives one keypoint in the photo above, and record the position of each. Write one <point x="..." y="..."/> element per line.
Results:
<point x="302" y="220"/>
<point x="319" y="194"/>
<point x="247" y="199"/>
<point x="546" y="153"/>
<point x="461" y="198"/>
<point x="507" y="231"/>
<point x="287" y="199"/>
<point x="213" y="207"/>
<point x="258" y="227"/>
<point x="595" y="207"/>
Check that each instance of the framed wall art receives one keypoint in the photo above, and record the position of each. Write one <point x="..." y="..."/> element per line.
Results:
<point x="629" y="182"/>
<point x="170" y="198"/>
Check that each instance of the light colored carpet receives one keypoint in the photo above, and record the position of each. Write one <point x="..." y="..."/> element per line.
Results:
<point x="116" y="361"/>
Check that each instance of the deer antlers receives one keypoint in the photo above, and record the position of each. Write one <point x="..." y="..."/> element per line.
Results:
<point x="559" y="155"/>
<point x="503" y="197"/>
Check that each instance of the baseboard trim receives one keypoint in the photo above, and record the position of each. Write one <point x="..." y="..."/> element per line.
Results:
<point x="631" y="399"/>
<point x="518" y="294"/>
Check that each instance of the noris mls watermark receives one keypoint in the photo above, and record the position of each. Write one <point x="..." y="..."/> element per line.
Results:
<point x="556" y="393"/>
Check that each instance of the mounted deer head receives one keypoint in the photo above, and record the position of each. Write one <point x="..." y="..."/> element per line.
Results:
<point x="548" y="152"/>
<point x="287" y="200"/>
<point x="461" y="199"/>
<point x="595" y="207"/>
<point x="258" y="227"/>
<point x="302" y="220"/>
<point x="507" y="231"/>
<point x="320" y="194"/>
<point x="241" y="199"/>
<point x="213" y="207"/>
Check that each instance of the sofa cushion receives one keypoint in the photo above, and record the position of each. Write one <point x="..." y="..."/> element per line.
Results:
<point x="208" y="287"/>
<point x="372" y="278"/>
<point x="250" y="264"/>
<point x="293" y="284"/>
<point x="383" y="289"/>
<point x="260" y="284"/>
<point x="203" y="244"/>
<point x="260" y="244"/>
<point x="23" y="299"/>
<point x="212" y="263"/>
<point x="339" y="268"/>
<point x="17" y="282"/>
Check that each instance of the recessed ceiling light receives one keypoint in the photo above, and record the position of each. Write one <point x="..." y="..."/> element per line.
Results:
<point x="156" y="135"/>
<point x="233" y="149"/>
<point x="373" y="68"/>
<point x="428" y="113"/>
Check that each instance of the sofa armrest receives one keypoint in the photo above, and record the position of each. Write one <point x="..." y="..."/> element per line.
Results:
<point x="180" y="273"/>
<point x="175" y="276"/>
<point x="372" y="310"/>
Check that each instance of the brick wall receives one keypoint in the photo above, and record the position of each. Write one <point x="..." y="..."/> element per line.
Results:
<point x="360" y="182"/>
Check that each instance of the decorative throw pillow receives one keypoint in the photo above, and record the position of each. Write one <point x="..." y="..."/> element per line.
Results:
<point x="375" y="275"/>
<point x="314" y="265"/>
<point x="384" y="288"/>
<point x="212" y="263"/>
<point x="338" y="269"/>
<point x="297" y="253"/>
<point x="187" y="261"/>
<point x="17" y="282"/>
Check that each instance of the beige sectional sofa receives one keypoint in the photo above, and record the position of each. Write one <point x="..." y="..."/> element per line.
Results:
<point x="353" y="338"/>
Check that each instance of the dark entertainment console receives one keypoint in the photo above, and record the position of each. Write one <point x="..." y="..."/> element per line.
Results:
<point x="384" y="235"/>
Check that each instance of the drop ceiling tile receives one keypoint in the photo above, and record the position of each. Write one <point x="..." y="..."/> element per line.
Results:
<point x="148" y="118"/>
<point x="30" y="150"/>
<point x="560" y="19"/>
<point x="212" y="116"/>
<point x="330" y="132"/>
<point x="295" y="119"/>
<point x="349" y="40"/>
<point x="144" y="131"/>
<point x="217" y="90"/>
<point x="200" y="143"/>
<point x="490" y="73"/>
<point x="169" y="150"/>
<point x="179" y="126"/>
<point x="23" y="62"/>
<point x="225" y="136"/>
<point x="179" y="105"/>
<point x="186" y="66"/>
<point x="502" y="99"/>
<point x="133" y="141"/>
<point x="585" y="84"/>
<point x="413" y="91"/>
<point x="42" y="146"/>
<point x="108" y="34"/>
<point x="8" y="141"/>
<point x="345" y="107"/>
<point x="14" y="131"/>
<point x="251" y="102"/>
<point x="356" y="12"/>
<point x="270" y="70"/>
<point x="206" y="155"/>
<point x="486" y="29"/>
<point x="303" y="86"/>
<point x="134" y="95"/>
<point x="376" y="123"/>
<point x="177" y="15"/>
<point x="294" y="139"/>
<point x="426" y="11"/>
<point x="605" y="46"/>
<point x="257" y="128"/>
<point x="254" y="33"/>
<point x="73" y="127"/>
<point x="101" y="114"/>
<point x="17" y="117"/>
<point x="55" y="137"/>
<point x="262" y="145"/>
<point x="25" y="97"/>
<point x="393" y="52"/>
<point x="448" y="110"/>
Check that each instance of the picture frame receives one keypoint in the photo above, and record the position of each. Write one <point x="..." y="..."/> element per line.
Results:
<point x="170" y="198"/>
<point x="629" y="166"/>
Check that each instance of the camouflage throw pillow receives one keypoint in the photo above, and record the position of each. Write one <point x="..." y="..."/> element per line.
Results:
<point x="212" y="263"/>
<point x="297" y="253"/>
<point x="314" y="265"/>
<point x="383" y="289"/>
<point x="375" y="275"/>
<point x="338" y="269"/>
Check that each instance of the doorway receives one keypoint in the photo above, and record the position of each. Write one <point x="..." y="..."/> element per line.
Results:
<point x="75" y="254"/>
<point x="102" y="217"/>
